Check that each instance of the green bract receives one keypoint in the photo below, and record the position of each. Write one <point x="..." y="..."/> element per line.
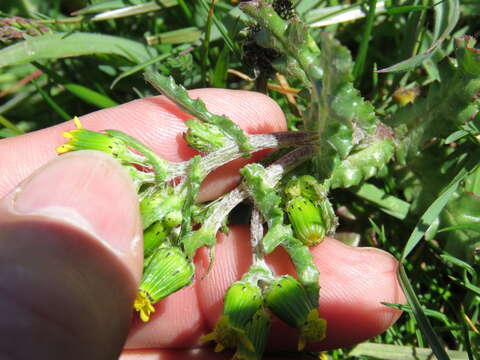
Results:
<point x="257" y="331"/>
<point x="287" y="299"/>
<point x="306" y="220"/>
<point x="242" y="301"/>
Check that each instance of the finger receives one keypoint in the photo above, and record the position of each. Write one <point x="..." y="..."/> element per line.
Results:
<point x="70" y="260"/>
<point x="196" y="354"/>
<point x="154" y="121"/>
<point x="354" y="282"/>
<point x="164" y="354"/>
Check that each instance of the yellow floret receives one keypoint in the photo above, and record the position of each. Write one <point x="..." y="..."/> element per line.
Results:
<point x="143" y="305"/>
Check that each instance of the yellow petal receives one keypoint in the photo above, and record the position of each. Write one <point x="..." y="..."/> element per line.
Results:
<point x="208" y="337"/>
<point x="301" y="343"/>
<point x="77" y="122"/>
<point x="63" y="149"/>
<point x="143" y="305"/>
<point x="67" y="135"/>
<point x="219" y="348"/>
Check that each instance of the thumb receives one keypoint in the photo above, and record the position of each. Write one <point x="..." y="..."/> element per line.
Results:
<point x="70" y="258"/>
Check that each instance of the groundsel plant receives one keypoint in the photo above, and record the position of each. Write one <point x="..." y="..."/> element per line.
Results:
<point x="342" y="144"/>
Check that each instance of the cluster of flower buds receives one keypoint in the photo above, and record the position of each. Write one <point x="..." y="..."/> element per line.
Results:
<point x="245" y="321"/>
<point x="166" y="267"/>
<point x="309" y="210"/>
<point x="175" y="227"/>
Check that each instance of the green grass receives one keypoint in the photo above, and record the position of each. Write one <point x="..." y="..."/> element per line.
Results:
<point x="101" y="64"/>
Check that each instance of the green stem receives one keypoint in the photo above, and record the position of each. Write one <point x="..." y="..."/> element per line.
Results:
<point x="206" y="42"/>
<point x="232" y="151"/>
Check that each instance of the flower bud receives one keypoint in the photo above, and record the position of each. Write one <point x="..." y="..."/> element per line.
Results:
<point x="167" y="270"/>
<point x="157" y="204"/>
<point x="306" y="186"/>
<point x="306" y="220"/>
<point x="242" y="301"/>
<point x="173" y="218"/>
<point x="203" y="136"/>
<point x="287" y="299"/>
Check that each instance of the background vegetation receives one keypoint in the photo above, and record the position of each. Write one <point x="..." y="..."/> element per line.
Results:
<point x="431" y="90"/>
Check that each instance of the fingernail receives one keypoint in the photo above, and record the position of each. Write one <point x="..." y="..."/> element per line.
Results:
<point x="89" y="190"/>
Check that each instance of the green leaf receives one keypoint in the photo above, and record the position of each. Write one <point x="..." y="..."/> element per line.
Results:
<point x="61" y="45"/>
<point x="153" y="60"/>
<point x="197" y="108"/>
<point x="405" y="9"/>
<point x="429" y="216"/>
<point x="387" y="203"/>
<point x="90" y="96"/>
<point x="339" y="108"/>
<point x="471" y="226"/>
<point x="400" y="352"/>
<point x="103" y="6"/>
<point x="52" y="103"/>
<point x="219" y="77"/>
<point x="447" y="14"/>
<point x="467" y="55"/>
<point x="457" y="262"/>
<point x="363" y="164"/>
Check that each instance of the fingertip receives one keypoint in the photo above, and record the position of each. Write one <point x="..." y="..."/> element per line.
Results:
<point x="354" y="283"/>
<point x="70" y="259"/>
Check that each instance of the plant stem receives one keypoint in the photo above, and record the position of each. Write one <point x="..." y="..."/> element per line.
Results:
<point x="232" y="151"/>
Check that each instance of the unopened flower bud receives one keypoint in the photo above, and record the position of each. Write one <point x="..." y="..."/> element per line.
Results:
<point x="167" y="270"/>
<point x="242" y="301"/>
<point x="306" y="219"/>
<point x="203" y="136"/>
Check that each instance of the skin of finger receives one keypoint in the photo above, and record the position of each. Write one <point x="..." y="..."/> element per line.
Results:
<point x="70" y="260"/>
<point x="156" y="122"/>
<point x="195" y="354"/>
<point x="354" y="282"/>
<point x="63" y="294"/>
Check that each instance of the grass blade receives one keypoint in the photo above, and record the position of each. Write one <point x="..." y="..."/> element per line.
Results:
<point x="57" y="108"/>
<point x="60" y="45"/>
<point x="104" y="6"/>
<point x="447" y="14"/>
<point x="398" y="352"/>
<point x="151" y="61"/>
<point x="362" y="52"/>
<point x="422" y="320"/>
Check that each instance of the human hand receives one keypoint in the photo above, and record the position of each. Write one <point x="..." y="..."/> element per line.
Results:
<point x="71" y="254"/>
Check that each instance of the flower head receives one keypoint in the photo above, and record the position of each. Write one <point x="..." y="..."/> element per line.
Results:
<point x="84" y="139"/>
<point x="166" y="271"/>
